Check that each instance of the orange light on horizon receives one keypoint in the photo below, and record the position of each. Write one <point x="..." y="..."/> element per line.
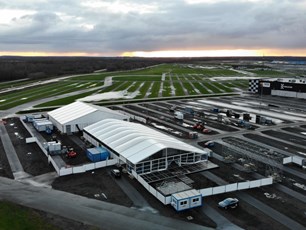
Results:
<point x="193" y="53"/>
<point x="168" y="53"/>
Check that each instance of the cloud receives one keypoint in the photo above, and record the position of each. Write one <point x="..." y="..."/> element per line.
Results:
<point x="114" y="27"/>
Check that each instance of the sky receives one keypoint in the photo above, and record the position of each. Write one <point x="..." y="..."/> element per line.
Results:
<point x="153" y="28"/>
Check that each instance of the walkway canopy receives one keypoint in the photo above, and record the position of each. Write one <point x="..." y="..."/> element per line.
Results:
<point x="134" y="142"/>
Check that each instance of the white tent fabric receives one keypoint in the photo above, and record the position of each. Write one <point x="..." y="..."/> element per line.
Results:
<point x="71" y="112"/>
<point x="76" y="110"/>
<point x="133" y="141"/>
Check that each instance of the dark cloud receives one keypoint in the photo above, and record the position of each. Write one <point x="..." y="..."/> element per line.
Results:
<point x="99" y="27"/>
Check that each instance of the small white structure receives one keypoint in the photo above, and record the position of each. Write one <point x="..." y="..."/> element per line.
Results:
<point x="42" y="124"/>
<point x="178" y="115"/>
<point x="186" y="200"/>
<point x="75" y="116"/>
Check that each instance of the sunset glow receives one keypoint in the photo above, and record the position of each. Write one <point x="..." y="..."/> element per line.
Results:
<point x="193" y="53"/>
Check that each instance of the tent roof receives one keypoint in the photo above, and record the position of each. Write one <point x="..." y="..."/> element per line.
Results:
<point x="77" y="110"/>
<point x="133" y="141"/>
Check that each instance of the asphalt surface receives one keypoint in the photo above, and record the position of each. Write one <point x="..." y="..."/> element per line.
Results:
<point x="138" y="201"/>
<point x="89" y="211"/>
<point x="11" y="154"/>
<point x="279" y="217"/>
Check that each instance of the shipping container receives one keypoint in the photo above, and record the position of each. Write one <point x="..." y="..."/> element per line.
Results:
<point x="97" y="154"/>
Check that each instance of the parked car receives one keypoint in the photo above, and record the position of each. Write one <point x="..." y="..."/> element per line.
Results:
<point x="229" y="203"/>
<point x="116" y="173"/>
<point x="209" y="144"/>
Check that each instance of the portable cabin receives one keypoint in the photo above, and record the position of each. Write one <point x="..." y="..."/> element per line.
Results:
<point x="186" y="200"/>
<point x="97" y="154"/>
<point x="31" y="117"/>
<point x="43" y="125"/>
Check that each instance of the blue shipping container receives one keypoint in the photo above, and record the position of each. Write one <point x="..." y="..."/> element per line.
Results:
<point x="97" y="154"/>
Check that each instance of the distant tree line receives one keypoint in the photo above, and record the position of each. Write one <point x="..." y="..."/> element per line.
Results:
<point x="15" y="68"/>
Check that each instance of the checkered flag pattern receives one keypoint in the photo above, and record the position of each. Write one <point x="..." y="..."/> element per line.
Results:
<point x="253" y="85"/>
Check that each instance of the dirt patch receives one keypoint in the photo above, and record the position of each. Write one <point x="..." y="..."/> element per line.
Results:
<point x="31" y="157"/>
<point x="93" y="184"/>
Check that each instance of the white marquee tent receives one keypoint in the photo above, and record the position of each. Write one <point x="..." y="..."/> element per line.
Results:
<point x="75" y="116"/>
<point x="133" y="142"/>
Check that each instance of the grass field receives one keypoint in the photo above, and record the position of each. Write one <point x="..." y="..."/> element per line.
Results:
<point x="179" y="79"/>
<point x="16" y="217"/>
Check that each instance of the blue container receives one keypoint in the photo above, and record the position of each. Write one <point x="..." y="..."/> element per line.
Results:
<point x="97" y="154"/>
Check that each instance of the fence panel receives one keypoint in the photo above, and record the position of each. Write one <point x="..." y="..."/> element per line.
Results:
<point x="135" y="174"/>
<point x="266" y="181"/>
<point x="255" y="183"/>
<point x="153" y="191"/>
<point x="243" y="185"/>
<point x="161" y="198"/>
<point x="65" y="171"/>
<point x="91" y="166"/>
<point x="168" y="199"/>
<point x="297" y="160"/>
<point x="206" y="191"/>
<point x="219" y="189"/>
<point x="78" y="169"/>
<point x="287" y="160"/>
<point x="231" y="187"/>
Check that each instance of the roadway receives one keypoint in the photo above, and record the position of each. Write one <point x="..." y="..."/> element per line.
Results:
<point x="85" y="210"/>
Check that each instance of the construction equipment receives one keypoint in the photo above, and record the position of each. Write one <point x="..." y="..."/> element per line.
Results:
<point x="200" y="127"/>
<point x="71" y="153"/>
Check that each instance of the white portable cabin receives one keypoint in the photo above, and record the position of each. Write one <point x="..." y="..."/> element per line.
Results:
<point x="75" y="116"/>
<point x="42" y="125"/>
<point x="186" y="200"/>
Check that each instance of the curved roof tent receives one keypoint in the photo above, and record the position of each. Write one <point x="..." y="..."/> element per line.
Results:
<point x="133" y="141"/>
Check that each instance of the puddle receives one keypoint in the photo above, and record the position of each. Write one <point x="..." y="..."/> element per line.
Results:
<point x="110" y="95"/>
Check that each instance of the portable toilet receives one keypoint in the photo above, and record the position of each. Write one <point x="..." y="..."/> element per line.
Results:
<point x="186" y="200"/>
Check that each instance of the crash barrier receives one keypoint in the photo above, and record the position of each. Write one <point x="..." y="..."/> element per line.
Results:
<point x="207" y="191"/>
<point x="295" y="159"/>
<point x="69" y="169"/>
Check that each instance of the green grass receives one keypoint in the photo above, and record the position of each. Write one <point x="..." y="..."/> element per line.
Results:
<point x="5" y="85"/>
<point x="155" y="89"/>
<point x="200" y="88"/>
<point x="178" y="89"/>
<point x="143" y="90"/>
<point x="190" y="88"/>
<point x="16" y="98"/>
<point x="137" y="78"/>
<point x="134" y="86"/>
<point x="70" y="99"/>
<point x="223" y="87"/>
<point x="166" y="89"/>
<point x="16" y="217"/>
<point x="128" y="80"/>
<point x="124" y="86"/>
<point x="212" y="87"/>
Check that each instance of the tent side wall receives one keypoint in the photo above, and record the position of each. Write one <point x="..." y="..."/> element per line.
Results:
<point x="58" y="125"/>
